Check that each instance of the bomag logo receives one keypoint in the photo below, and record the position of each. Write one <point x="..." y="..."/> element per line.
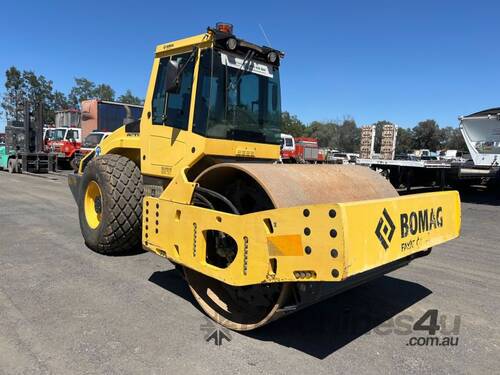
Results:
<point x="385" y="229"/>
<point x="421" y="221"/>
<point x="411" y="223"/>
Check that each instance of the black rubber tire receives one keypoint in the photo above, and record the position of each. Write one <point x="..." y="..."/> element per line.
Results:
<point x="74" y="164"/>
<point x="11" y="165"/>
<point x="120" y="181"/>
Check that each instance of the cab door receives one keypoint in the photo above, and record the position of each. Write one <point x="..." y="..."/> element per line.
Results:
<point x="167" y="125"/>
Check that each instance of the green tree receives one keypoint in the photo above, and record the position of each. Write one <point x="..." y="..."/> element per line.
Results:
<point x="39" y="90"/>
<point x="326" y="133"/>
<point x="290" y="124"/>
<point x="130" y="98"/>
<point x="349" y="136"/>
<point x="83" y="90"/>
<point x="12" y="100"/>
<point x="426" y="135"/>
<point x="60" y="101"/>
<point x="104" y="92"/>
<point x="453" y="139"/>
<point x="27" y="85"/>
<point x="404" y="141"/>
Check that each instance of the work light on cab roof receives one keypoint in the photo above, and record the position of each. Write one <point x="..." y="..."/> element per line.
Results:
<point x="226" y="39"/>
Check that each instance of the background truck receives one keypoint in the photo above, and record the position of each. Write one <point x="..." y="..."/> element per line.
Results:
<point x="67" y="118"/>
<point x="65" y="137"/>
<point x="195" y="181"/>
<point x="300" y="150"/>
<point x="23" y="148"/>
<point x="65" y="142"/>
<point x="105" y="116"/>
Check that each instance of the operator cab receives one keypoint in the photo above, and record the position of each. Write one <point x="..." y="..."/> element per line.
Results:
<point x="237" y="90"/>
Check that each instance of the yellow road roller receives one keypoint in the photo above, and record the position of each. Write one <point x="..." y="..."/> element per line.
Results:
<point x="195" y="180"/>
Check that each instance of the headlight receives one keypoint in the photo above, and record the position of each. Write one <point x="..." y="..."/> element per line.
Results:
<point x="272" y="57"/>
<point x="231" y="44"/>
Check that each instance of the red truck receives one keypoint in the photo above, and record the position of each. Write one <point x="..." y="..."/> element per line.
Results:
<point x="300" y="150"/>
<point x="65" y="142"/>
<point x="66" y="137"/>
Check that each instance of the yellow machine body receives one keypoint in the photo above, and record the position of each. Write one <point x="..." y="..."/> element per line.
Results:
<point x="327" y="229"/>
<point x="331" y="243"/>
<point x="273" y="243"/>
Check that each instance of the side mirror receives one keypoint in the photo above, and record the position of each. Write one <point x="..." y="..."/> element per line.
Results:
<point x="172" y="77"/>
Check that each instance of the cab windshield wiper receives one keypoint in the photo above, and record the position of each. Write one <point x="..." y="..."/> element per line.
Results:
<point x="181" y="69"/>
<point x="248" y="57"/>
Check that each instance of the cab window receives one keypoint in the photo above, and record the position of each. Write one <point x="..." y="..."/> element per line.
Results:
<point x="72" y="135"/>
<point x="173" y="109"/>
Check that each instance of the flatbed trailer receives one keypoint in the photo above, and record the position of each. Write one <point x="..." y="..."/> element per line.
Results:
<point x="432" y="172"/>
<point x="409" y="172"/>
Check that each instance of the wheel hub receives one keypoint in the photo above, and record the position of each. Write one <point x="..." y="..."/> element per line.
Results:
<point x="93" y="204"/>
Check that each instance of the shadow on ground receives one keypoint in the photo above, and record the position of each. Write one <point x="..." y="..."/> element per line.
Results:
<point x="172" y="281"/>
<point x="127" y="253"/>
<point x="481" y="195"/>
<point x="321" y="329"/>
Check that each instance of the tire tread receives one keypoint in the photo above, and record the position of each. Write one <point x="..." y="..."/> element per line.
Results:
<point x="122" y="179"/>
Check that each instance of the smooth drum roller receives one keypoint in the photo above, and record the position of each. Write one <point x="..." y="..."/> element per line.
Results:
<point x="256" y="240"/>
<point x="253" y="187"/>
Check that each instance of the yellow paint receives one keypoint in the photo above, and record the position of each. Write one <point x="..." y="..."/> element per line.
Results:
<point x="357" y="246"/>
<point x="180" y="190"/>
<point x="341" y="247"/>
<point x="92" y="194"/>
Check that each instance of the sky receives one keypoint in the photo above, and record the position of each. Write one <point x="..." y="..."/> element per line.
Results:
<point x="402" y="61"/>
